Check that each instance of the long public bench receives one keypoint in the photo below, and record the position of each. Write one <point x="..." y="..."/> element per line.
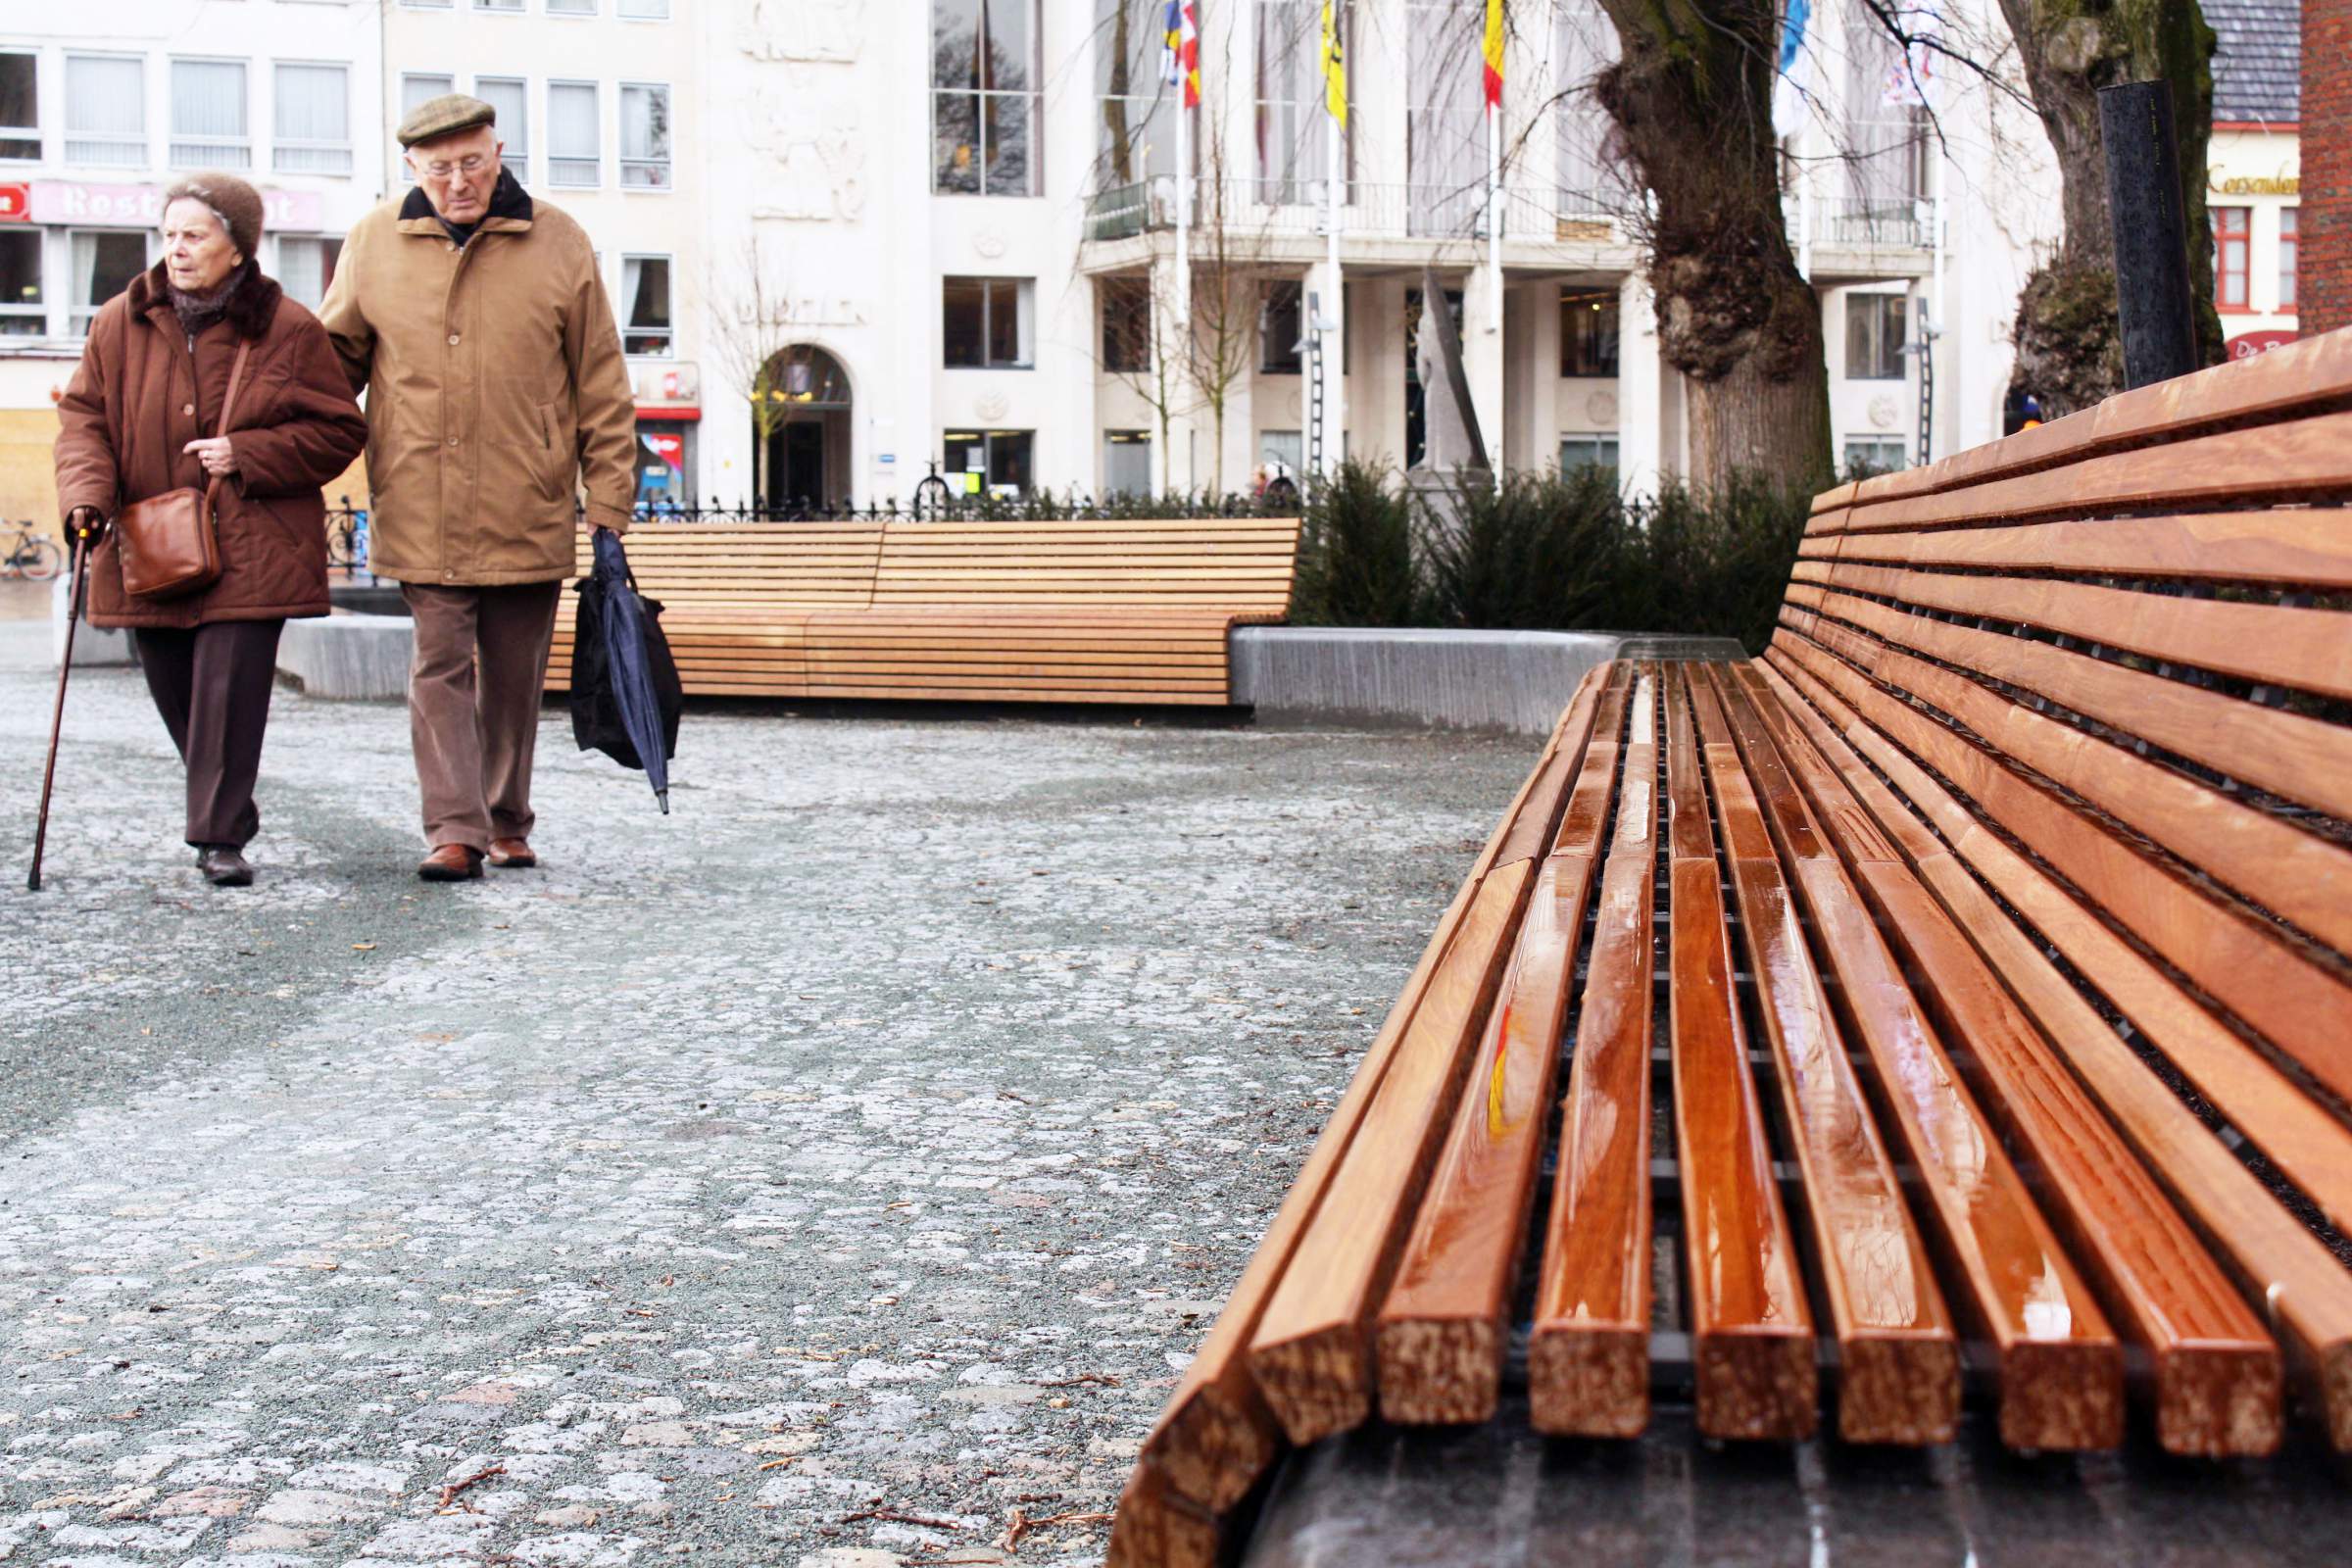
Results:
<point x="1958" y="996"/>
<point x="1076" y="610"/>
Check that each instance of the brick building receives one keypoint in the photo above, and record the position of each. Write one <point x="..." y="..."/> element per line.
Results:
<point x="2325" y="289"/>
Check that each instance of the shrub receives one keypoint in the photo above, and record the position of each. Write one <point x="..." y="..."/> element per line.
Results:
<point x="1356" y="565"/>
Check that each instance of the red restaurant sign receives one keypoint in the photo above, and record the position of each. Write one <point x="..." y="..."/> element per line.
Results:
<point x="2246" y="345"/>
<point x="63" y="201"/>
<point x="15" y="204"/>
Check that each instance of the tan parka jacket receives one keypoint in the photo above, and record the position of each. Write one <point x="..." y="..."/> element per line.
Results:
<point x="495" y="389"/>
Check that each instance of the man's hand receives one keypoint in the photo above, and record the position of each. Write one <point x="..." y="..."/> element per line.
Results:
<point x="618" y="527"/>
<point x="219" y="457"/>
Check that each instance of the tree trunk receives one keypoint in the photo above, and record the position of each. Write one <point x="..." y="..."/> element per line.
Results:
<point x="2069" y="352"/>
<point x="1691" y="95"/>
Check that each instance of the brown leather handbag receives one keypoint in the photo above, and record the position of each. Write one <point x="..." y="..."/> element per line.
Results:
<point x="171" y="544"/>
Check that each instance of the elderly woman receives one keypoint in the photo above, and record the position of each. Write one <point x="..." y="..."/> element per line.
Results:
<point x="142" y="418"/>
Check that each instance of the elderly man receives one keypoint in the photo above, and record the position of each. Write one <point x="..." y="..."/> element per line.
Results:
<point x="498" y="393"/>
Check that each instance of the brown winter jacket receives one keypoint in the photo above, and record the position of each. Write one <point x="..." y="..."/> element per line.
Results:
<point x="496" y="388"/>
<point x="141" y="394"/>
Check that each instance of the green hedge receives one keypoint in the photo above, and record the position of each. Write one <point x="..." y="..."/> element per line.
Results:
<point x="1550" y="552"/>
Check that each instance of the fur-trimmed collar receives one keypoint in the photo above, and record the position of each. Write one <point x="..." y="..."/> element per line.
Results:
<point x="507" y="199"/>
<point x="251" y="308"/>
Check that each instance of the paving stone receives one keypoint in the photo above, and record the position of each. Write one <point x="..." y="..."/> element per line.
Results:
<point x="684" y="1153"/>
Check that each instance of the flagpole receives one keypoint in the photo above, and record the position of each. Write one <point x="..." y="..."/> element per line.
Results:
<point x="1334" y="178"/>
<point x="1494" y="218"/>
<point x="1184" y="216"/>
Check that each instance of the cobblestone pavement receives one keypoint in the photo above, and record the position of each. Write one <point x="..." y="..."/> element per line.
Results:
<point x="817" y="1177"/>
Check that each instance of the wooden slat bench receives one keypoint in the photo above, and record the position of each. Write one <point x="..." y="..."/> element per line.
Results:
<point x="1981" y="957"/>
<point x="1082" y="610"/>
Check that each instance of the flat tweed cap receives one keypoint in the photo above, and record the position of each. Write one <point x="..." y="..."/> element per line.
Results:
<point x="444" y="116"/>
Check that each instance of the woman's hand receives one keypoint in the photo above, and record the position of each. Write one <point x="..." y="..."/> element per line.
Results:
<point x="85" y="519"/>
<point x="219" y="457"/>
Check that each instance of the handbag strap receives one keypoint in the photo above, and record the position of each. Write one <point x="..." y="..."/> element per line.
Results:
<point x="228" y="402"/>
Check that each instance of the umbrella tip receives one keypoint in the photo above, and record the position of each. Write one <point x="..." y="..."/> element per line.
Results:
<point x="663" y="797"/>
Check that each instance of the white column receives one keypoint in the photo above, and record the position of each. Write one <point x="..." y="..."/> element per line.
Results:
<point x="1643" y="450"/>
<point x="1481" y="356"/>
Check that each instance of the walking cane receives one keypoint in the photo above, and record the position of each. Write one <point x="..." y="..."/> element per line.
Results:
<point x="57" y="718"/>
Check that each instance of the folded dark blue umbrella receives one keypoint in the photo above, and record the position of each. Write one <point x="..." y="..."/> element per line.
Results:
<point x="625" y="693"/>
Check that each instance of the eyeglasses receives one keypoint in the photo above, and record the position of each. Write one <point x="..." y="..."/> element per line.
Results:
<point x="470" y="166"/>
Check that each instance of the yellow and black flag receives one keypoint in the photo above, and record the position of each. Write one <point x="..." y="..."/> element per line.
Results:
<point x="1335" y="66"/>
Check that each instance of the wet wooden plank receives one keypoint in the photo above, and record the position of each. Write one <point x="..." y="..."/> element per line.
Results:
<point x="2278" y="1264"/>
<point x="1589" y="1357"/>
<point x="2060" y="1365"/>
<point x="1153" y="1528"/>
<point x="1751" y="1326"/>
<point x="1217" y="1435"/>
<point x="1898" y="1358"/>
<point x="2303" y="546"/>
<point x="1443" y="1333"/>
<point x="2217" y="1373"/>
<point x="2239" y="958"/>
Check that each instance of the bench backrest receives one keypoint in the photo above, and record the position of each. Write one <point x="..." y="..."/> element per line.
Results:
<point x="2122" y="644"/>
<point x="1240" y="566"/>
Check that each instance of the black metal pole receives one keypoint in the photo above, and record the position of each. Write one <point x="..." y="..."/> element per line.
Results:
<point x="2155" y="306"/>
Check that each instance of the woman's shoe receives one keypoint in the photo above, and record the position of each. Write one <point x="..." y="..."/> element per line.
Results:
<point x="223" y="866"/>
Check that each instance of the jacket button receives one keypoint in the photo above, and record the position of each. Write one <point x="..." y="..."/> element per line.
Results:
<point x="453" y="340"/>
<point x="187" y="407"/>
<point x="453" y="440"/>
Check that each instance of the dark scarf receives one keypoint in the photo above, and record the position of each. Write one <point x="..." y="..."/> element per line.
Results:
<point x="507" y="199"/>
<point x="196" y="311"/>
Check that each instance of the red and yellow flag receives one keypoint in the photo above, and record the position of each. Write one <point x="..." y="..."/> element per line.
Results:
<point x="1493" y="54"/>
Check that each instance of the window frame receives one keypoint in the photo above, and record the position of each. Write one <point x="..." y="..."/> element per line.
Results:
<point x="327" y="272"/>
<point x="1275" y="359"/>
<point x="1612" y="440"/>
<point x="1889" y="349"/>
<point x="1126" y="438"/>
<point x="31" y="132"/>
<point x="1302" y="181"/>
<point x="80" y="317"/>
<point x="1033" y="94"/>
<point x="556" y="175"/>
<point x="1024" y="299"/>
<point x="2290" y="253"/>
<point x="520" y="157"/>
<point x="278" y="141"/>
<point x="208" y="149"/>
<point x="628" y="10"/>
<point x="988" y="439"/>
<point x="1119" y="333"/>
<point x="143" y="141"/>
<point x="2225" y="237"/>
<point x="668" y="159"/>
<point x="1879" y="439"/>
<point x="666" y="334"/>
<point x="573" y="8"/>
<point x="1575" y="363"/>
<point x="37" y="312"/>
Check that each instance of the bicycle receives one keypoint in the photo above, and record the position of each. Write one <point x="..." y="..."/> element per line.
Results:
<point x="931" y="494"/>
<point x="33" y="558"/>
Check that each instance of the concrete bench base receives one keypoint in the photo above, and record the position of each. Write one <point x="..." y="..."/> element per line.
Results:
<point x="94" y="647"/>
<point x="354" y="657"/>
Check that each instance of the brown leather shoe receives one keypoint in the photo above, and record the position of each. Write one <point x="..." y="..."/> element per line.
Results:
<point x="513" y="854"/>
<point x="450" y="863"/>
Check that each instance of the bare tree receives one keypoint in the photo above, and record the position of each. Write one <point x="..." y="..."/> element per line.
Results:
<point x="755" y="346"/>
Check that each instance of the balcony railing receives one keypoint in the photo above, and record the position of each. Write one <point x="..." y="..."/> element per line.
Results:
<point x="1872" y="222"/>
<point x="1276" y="209"/>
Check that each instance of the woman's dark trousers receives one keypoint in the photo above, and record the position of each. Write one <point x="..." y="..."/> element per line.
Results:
<point x="212" y="686"/>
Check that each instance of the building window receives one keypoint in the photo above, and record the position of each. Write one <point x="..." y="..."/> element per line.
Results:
<point x="106" y="110"/>
<point x="416" y="89"/>
<point x="996" y="461"/>
<point x="572" y="8"/>
<point x="2287" y="259"/>
<point x="1136" y="108"/>
<point x="1126" y="462"/>
<point x="313" y="120"/>
<point x="645" y="296"/>
<point x="23" y="308"/>
<point x="1587" y="451"/>
<point x="1875" y="454"/>
<point x="1886" y="130"/>
<point x="644" y="10"/>
<point x="1877" y="327"/>
<point x="984" y="98"/>
<point x="1293" y="140"/>
<point x="105" y="261"/>
<point x="510" y="97"/>
<point x="208" y="114"/>
<point x="644" y="136"/>
<point x="1280" y="327"/>
<point x="2233" y="257"/>
<point x="20" y="108"/>
<point x="664" y="464"/>
<point x="575" y="146"/>
<point x="1589" y="331"/>
<point x="986" y="323"/>
<point x="306" y="266"/>
<point x="1126" y="325"/>
<point x="1591" y="183"/>
<point x="1445" y="118"/>
<point x="512" y="8"/>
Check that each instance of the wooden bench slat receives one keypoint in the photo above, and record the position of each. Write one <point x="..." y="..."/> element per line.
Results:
<point x="1751" y="1326"/>
<point x="2217" y="1373"/>
<point x="1443" y="1333"/>
<point x="2298" y="758"/>
<point x="2061" y="1369"/>
<point x="2282" y="1264"/>
<point x="2289" y="460"/>
<point x="1898" y="1358"/>
<point x="1587" y="1366"/>
<point x="2310" y="649"/>
<point x="2287" y="869"/>
<point x="2225" y="949"/>
<point x="1216" y="1436"/>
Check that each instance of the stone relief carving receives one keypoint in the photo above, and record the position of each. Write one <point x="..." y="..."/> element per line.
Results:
<point x="800" y="30"/>
<point x="1601" y="409"/>
<point x="814" y="147"/>
<point x="1885" y="410"/>
<point x="989" y="244"/>
<point x="992" y="405"/>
